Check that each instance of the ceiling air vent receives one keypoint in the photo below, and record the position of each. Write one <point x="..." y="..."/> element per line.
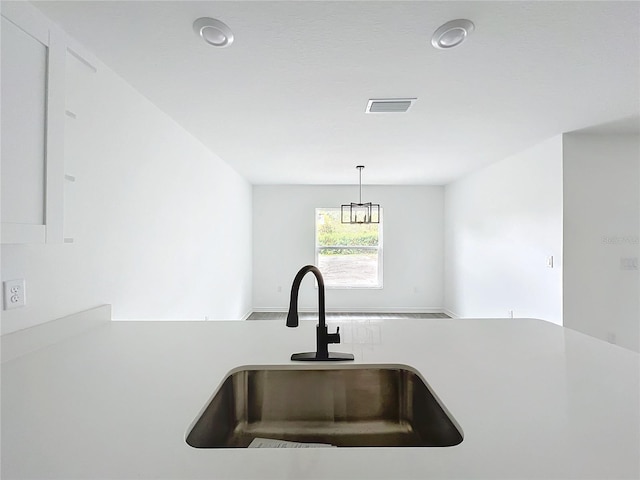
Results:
<point x="389" y="105"/>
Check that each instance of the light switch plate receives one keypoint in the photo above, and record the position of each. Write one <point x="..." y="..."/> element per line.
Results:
<point x="14" y="294"/>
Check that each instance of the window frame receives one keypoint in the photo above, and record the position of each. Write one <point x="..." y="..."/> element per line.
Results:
<point x="379" y="248"/>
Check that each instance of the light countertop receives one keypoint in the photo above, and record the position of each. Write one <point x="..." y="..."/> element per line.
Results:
<point x="534" y="400"/>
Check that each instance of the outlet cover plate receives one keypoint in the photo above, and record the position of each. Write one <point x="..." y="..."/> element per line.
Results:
<point x="14" y="294"/>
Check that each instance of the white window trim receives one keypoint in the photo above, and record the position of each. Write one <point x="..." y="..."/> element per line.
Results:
<point x="380" y="249"/>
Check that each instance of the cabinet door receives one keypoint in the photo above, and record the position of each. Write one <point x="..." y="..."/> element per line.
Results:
<point x="31" y="129"/>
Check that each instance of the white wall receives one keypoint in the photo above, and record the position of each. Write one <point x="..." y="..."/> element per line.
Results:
<point x="161" y="226"/>
<point x="501" y="224"/>
<point x="284" y="237"/>
<point x="601" y="228"/>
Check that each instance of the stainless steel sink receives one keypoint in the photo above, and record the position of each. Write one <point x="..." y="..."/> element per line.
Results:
<point x="347" y="406"/>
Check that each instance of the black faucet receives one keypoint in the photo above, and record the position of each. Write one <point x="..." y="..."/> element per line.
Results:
<point x="323" y="337"/>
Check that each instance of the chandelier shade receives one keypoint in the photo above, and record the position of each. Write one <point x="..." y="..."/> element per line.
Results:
<point x="360" y="213"/>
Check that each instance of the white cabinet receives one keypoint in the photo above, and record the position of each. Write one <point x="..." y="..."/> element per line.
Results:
<point x="32" y="123"/>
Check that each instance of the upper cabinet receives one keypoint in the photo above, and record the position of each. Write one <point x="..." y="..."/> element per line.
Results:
<point x="32" y="129"/>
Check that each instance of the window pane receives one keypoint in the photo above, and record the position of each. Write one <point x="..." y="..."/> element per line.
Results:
<point x="357" y="268"/>
<point x="332" y="232"/>
<point x="348" y="255"/>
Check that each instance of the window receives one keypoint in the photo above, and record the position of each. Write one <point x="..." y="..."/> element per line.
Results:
<point x="348" y="255"/>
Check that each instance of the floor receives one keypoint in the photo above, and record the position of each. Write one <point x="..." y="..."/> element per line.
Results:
<point x="344" y="315"/>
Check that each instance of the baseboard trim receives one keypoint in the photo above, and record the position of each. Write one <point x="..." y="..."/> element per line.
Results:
<point x="450" y="313"/>
<point x="356" y="310"/>
<point x="17" y="344"/>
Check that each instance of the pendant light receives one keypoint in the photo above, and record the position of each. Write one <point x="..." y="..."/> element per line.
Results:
<point x="360" y="212"/>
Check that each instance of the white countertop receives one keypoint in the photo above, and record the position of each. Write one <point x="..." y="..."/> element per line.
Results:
<point x="534" y="400"/>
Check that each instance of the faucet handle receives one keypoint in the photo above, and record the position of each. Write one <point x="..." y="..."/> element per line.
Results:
<point x="334" y="337"/>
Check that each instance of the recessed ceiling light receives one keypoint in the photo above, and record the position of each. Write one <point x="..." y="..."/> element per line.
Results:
<point x="214" y="32"/>
<point x="452" y="34"/>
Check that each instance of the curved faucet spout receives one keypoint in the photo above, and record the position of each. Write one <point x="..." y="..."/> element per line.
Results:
<point x="292" y="316"/>
<point x="323" y="337"/>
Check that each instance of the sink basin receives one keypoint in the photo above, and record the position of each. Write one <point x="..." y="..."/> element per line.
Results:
<point x="346" y="406"/>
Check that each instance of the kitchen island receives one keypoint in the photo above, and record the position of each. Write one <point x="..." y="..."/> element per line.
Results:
<point x="533" y="400"/>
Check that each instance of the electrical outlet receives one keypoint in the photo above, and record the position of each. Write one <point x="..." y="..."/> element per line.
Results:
<point x="550" y="262"/>
<point x="14" y="294"/>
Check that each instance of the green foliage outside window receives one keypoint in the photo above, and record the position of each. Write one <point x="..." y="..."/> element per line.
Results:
<point x="333" y="233"/>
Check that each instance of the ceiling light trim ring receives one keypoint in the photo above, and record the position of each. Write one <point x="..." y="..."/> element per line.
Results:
<point x="213" y="32"/>
<point x="442" y="38"/>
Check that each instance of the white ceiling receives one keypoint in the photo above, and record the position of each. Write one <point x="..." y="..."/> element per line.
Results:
<point x="285" y="103"/>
